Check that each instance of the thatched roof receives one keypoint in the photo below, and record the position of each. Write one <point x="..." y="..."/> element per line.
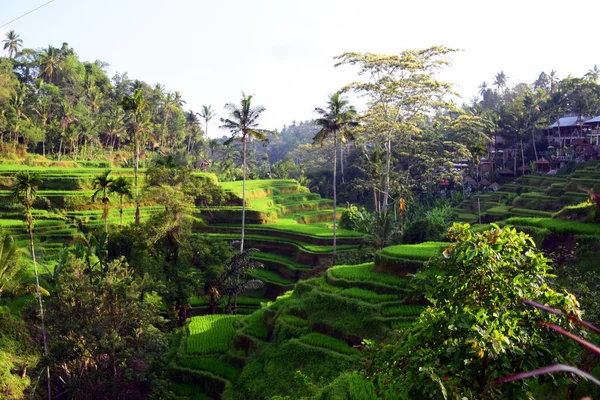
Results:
<point x="506" y="171"/>
<point x="542" y="161"/>
<point x="494" y="186"/>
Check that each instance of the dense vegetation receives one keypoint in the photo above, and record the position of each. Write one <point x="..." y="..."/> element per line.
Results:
<point x="141" y="259"/>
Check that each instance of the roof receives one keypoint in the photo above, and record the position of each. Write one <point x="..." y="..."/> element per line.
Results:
<point x="494" y="186"/>
<point x="542" y="161"/>
<point x="567" y="121"/>
<point x="525" y="168"/>
<point x="595" y="120"/>
<point x="506" y="171"/>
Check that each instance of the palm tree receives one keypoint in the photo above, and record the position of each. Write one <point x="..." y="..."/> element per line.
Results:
<point x="49" y="61"/>
<point x="336" y="121"/>
<point x="483" y="88"/>
<point x="23" y="191"/>
<point x="207" y="113"/>
<point x="102" y="184"/>
<point x="243" y="121"/>
<point x="227" y="284"/>
<point x="122" y="188"/>
<point x="12" y="43"/>
<point x="192" y="127"/>
<point x="11" y="269"/>
<point x="136" y="106"/>
<point x="500" y="81"/>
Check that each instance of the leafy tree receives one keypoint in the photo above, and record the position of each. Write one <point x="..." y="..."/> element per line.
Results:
<point x="49" y="64"/>
<point x="136" y="106"/>
<point x="402" y="93"/>
<point x="243" y="122"/>
<point x="228" y="283"/>
<point x="23" y="190"/>
<point x="207" y="113"/>
<point x="11" y="269"/>
<point x="336" y="122"/>
<point x="106" y="341"/>
<point x="12" y="43"/>
<point x="121" y="187"/>
<point x="476" y="328"/>
<point x="102" y="185"/>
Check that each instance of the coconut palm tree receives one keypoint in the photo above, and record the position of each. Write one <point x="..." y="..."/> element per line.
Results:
<point x="122" y="188"/>
<point x="243" y="122"/>
<point x="12" y="43"/>
<point x="483" y="88"/>
<point x="335" y="121"/>
<point x="49" y="60"/>
<point x="192" y="126"/>
<point x="136" y="106"/>
<point x="207" y="113"/>
<point x="23" y="190"/>
<point x="102" y="185"/>
<point x="500" y="81"/>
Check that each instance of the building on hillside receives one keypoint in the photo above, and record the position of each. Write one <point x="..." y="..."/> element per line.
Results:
<point x="542" y="166"/>
<point x="593" y="134"/>
<point x="567" y="129"/>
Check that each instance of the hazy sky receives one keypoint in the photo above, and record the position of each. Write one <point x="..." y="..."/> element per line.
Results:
<point x="282" y="50"/>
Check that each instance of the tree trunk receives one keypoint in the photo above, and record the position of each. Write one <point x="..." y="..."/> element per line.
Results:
<point x="533" y="144"/>
<point x="333" y="259"/>
<point x="342" y="162"/>
<point x="135" y="180"/>
<point x="39" y="296"/>
<point x="388" y="163"/>
<point x="59" y="148"/>
<point x="244" y="167"/>
<point x="522" y="157"/>
<point x="121" y="214"/>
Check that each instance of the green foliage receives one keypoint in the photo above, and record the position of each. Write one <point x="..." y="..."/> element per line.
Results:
<point x="211" y="364"/>
<point x="104" y="332"/>
<point x="210" y="334"/>
<point x="476" y="329"/>
<point x="327" y="342"/>
<point x="18" y="356"/>
<point x="422" y="251"/>
<point x="557" y="225"/>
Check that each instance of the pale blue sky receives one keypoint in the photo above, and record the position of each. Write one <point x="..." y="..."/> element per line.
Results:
<point x="281" y="50"/>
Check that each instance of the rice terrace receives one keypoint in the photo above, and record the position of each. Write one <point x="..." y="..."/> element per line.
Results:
<point x="397" y="242"/>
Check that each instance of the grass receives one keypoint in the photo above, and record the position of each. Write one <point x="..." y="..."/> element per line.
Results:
<point x="557" y="225"/>
<point x="210" y="334"/>
<point x="365" y="295"/>
<point x="422" y="251"/>
<point x="327" y="342"/>
<point x="307" y="247"/>
<point x="363" y="273"/>
<point x="212" y="365"/>
<point x="276" y="258"/>
<point x="402" y="311"/>
<point x="272" y="277"/>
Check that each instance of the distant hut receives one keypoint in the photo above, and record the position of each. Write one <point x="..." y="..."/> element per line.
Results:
<point x="591" y="153"/>
<point x="484" y="182"/>
<point x="542" y="166"/>
<point x="494" y="186"/>
<point x="524" y="170"/>
<point x="469" y="181"/>
<point x="506" y="172"/>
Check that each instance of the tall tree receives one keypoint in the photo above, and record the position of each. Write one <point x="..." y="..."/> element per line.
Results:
<point x="207" y="113"/>
<point x="136" y="106"/>
<point x="121" y="187"/>
<point x="12" y="43"/>
<point x="24" y="191"/>
<point x="49" y="63"/>
<point x="102" y="185"/>
<point x="243" y="123"/>
<point x="500" y="81"/>
<point x="402" y="93"/>
<point x="336" y="122"/>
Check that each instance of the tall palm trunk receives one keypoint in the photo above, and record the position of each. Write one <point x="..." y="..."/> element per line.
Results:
<point x="135" y="180"/>
<point x="121" y="213"/>
<point x="39" y="295"/>
<point x="388" y="165"/>
<point x="342" y="162"/>
<point x="244" y="167"/>
<point x="334" y="197"/>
